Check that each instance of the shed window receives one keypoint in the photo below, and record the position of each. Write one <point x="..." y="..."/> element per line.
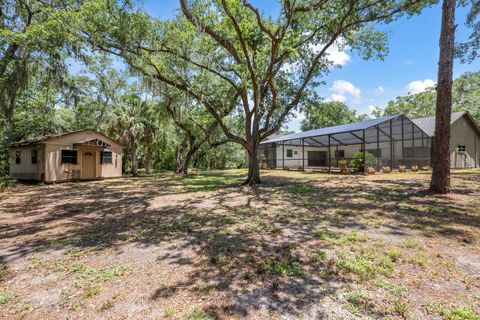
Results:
<point x="289" y="153"/>
<point x="34" y="156"/>
<point x="461" y="148"/>
<point x="69" y="156"/>
<point x="106" y="157"/>
<point x="17" y="157"/>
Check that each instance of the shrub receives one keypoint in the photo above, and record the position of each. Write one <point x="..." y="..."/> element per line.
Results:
<point x="357" y="161"/>
<point x="6" y="184"/>
<point x="387" y="169"/>
<point x="414" y="168"/>
<point x="402" y="168"/>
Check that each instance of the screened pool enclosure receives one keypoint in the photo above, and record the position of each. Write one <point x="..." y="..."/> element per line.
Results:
<point x="389" y="141"/>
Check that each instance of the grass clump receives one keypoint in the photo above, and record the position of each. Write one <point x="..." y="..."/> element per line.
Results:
<point x="354" y="237"/>
<point x="197" y="313"/>
<point x="283" y="267"/>
<point x="91" y="291"/>
<point x="325" y="234"/>
<point x="365" y="265"/>
<point x="394" y="254"/>
<point x="360" y="301"/>
<point x="301" y="189"/>
<point x="5" y="296"/>
<point x="460" y="313"/>
<point x="454" y="312"/>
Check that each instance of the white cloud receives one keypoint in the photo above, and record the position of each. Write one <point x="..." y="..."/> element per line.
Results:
<point x="379" y="90"/>
<point x="370" y="108"/>
<point x="337" y="97"/>
<point x="342" y="88"/>
<point x="420" y="86"/>
<point x="338" y="56"/>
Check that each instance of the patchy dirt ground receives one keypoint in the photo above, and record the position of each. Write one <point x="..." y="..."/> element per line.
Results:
<point x="301" y="246"/>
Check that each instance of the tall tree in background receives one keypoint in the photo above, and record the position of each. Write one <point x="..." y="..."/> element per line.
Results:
<point x="34" y="36"/>
<point x="242" y="61"/>
<point x="465" y="97"/>
<point x="440" y="182"/>
<point x="320" y="114"/>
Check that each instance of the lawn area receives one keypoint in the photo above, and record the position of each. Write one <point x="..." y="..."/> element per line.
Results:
<point x="301" y="246"/>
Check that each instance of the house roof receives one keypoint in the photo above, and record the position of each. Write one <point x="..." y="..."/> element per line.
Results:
<point x="427" y="124"/>
<point x="44" y="139"/>
<point x="354" y="126"/>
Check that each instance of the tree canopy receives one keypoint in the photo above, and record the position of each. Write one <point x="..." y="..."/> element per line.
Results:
<point x="320" y="114"/>
<point x="240" y="61"/>
<point x="465" y="97"/>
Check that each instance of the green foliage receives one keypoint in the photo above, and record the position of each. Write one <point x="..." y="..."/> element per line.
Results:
<point x="320" y="114"/>
<point x="5" y="296"/>
<point x="284" y="267"/>
<point x="357" y="161"/>
<point x="465" y="96"/>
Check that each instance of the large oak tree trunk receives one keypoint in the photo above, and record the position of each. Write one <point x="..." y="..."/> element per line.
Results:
<point x="440" y="182"/>
<point x="253" y="177"/>
<point x="180" y="160"/>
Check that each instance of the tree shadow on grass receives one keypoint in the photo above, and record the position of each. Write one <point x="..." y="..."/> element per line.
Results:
<point x="252" y="247"/>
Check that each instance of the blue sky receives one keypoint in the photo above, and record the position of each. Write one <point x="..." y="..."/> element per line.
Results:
<point x="410" y="66"/>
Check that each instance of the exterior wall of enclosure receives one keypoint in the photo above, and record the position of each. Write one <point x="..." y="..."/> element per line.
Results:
<point x="392" y="143"/>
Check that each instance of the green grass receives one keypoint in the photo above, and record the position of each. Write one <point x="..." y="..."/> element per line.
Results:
<point x="325" y="234"/>
<point x="301" y="189"/>
<point x="91" y="291"/>
<point x="197" y="313"/>
<point x="365" y="265"/>
<point x="453" y="312"/>
<point x="282" y="267"/>
<point x="208" y="181"/>
<point x="353" y="236"/>
<point x="460" y="313"/>
<point x="359" y="301"/>
<point x="394" y="254"/>
<point x="5" y="296"/>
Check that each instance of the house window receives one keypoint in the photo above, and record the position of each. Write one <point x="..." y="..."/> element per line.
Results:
<point x="289" y="153"/>
<point x="34" y="156"/>
<point x="69" y="156"/>
<point x="340" y="154"/>
<point x="461" y="148"/>
<point x="106" y="157"/>
<point x="17" y="157"/>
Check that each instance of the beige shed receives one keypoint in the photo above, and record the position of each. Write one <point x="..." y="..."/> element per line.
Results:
<point x="80" y="155"/>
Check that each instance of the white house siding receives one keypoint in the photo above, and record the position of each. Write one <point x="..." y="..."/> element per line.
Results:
<point x="463" y="133"/>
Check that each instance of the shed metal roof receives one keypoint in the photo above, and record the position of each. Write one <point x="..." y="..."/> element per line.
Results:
<point x="354" y="126"/>
<point x="427" y="124"/>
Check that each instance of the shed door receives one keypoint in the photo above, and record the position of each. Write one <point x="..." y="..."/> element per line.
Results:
<point x="88" y="165"/>
<point x="317" y="158"/>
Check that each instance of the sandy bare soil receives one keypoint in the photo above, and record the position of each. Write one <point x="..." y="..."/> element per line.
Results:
<point x="301" y="246"/>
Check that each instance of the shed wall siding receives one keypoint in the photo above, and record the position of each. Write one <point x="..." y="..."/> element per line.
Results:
<point x="26" y="169"/>
<point x="50" y="167"/>
<point x="462" y="133"/>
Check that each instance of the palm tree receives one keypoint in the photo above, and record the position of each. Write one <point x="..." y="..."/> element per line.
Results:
<point x="133" y="125"/>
